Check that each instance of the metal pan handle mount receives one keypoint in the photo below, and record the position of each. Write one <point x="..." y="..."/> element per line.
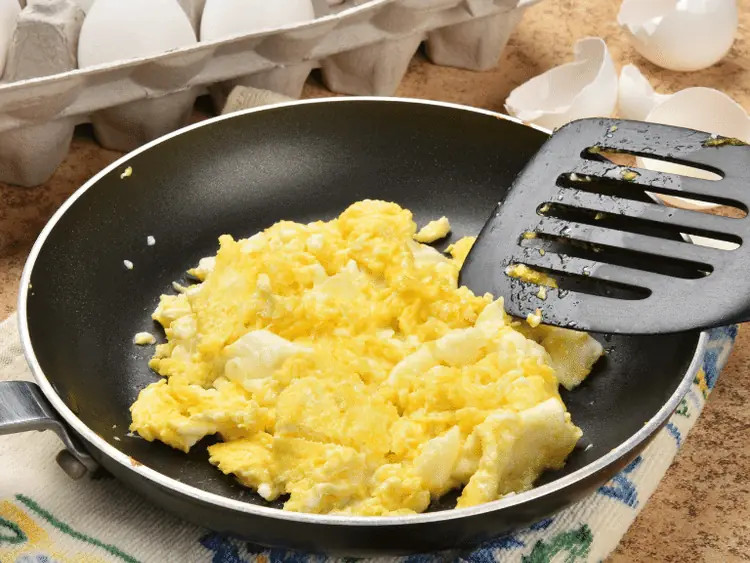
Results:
<point x="23" y="407"/>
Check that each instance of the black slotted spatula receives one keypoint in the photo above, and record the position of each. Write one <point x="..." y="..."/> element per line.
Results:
<point x="622" y="262"/>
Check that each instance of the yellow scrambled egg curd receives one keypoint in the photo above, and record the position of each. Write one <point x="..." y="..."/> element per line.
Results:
<point x="342" y="366"/>
<point x="434" y="230"/>
<point x="523" y="272"/>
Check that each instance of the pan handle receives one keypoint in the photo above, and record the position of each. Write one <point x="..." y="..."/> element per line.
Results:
<point x="24" y="407"/>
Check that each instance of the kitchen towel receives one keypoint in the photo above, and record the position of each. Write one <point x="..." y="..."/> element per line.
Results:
<point x="45" y="517"/>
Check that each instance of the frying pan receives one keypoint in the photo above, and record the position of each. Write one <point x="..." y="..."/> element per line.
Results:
<point x="79" y="307"/>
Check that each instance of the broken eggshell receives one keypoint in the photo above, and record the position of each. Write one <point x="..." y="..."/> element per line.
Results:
<point x="680" y="35"/>
<point x="587" y="87"/>
<point x="636" y="96"/>
<point x="704" y="109"/>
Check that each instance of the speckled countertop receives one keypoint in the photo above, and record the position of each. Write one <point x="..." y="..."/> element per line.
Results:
<point x="701" y="511"/>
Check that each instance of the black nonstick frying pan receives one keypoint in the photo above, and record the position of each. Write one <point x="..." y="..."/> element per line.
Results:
<point x="80" y="307"/>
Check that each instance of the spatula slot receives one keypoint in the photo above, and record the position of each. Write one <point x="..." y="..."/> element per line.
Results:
<point x="555" y="245"/>
<point x="622" y="215"/>
<point x="600" y="154"/>
<point x="568" y="284"/>
<point x="680" y="167"/>
<point x="635" y="190"/>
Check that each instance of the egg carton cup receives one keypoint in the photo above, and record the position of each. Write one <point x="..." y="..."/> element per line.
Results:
<point x="362" y="48"/>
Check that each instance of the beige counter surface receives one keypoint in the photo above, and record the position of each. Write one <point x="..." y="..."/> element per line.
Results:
<point x="701" y="511"/>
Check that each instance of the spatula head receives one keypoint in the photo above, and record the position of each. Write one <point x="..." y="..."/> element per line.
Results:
<point x="622" y="261"/>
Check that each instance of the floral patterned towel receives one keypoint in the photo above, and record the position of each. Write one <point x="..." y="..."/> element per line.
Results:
<point x="45" y="517"/>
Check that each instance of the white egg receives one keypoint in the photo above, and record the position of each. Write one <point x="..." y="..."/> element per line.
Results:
<point x="587" y="87"/>
<point x="116" y="30"/>
<point x="224" y="18"/>
<point x="680" y="34"/>
<point x="85" y="4"/>
<point x="9" y="10"/>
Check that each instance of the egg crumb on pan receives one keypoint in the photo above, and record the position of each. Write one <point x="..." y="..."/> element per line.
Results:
<point x="144" y="338"/>
<point x="524" y="273"/>
<point x="534" y="319"/>
<point x="434" y="230"/>
<point x="344" y="370"/>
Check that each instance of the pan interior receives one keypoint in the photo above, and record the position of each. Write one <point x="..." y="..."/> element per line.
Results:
<point x="238" y="176"/>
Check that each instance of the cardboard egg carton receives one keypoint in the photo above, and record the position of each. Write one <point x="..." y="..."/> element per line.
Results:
<point x="361" y="47"/>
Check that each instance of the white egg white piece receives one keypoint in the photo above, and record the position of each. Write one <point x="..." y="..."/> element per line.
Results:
<point x="686" y="108"/>
<point x="225" y="18"/>
<point x="636" y="96"/>
<point x="586" y="87"/>
<point x="9" y="10"/>
<point x="115" y="30"/>
<point x="681" y="35"/>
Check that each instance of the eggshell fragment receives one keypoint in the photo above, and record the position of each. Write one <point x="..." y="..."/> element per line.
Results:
<point x="636" y="97"/>
<point x="680" y="34"/>
<point x="587" y="87"/>
<point x="687" y="108"/>
<point x="224" y="18"/>
<point x="704" y="109"/>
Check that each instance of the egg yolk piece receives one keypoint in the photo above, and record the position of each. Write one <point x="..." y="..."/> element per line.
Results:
<point x="344" y="371"/>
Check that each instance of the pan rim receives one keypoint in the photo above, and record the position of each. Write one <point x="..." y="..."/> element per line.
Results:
<point x="174" y="486"/>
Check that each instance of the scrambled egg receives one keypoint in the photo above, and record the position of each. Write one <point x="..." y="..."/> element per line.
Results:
<point x="524" y="273"/>
<point x="343" y="369"/>
<point x="534" y="319"/>
<point x="144" y="339"/>
<point x="434" y="230"/>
